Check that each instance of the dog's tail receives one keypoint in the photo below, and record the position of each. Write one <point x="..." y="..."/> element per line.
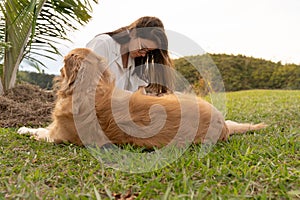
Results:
<point x="238" y="128"/>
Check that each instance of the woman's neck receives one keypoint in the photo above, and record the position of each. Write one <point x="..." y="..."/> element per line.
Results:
<point x="125" y="54"/>
<point x="124" y="49"/>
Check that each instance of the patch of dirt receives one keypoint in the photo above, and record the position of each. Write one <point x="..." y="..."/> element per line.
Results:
<point x="26" y="105"/>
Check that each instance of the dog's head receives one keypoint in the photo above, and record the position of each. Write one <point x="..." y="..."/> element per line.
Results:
<point x="80" y="65"/>
<point x="72" y="63"/>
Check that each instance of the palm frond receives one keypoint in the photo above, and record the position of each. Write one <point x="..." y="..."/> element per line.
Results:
<point x="57" y="18"/>
<point x="3" y="45"/>
<point x="17" y="32"/>
<point x="35" y="28"/>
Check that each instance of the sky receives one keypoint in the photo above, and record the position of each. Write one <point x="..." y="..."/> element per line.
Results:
<point x="268" y="29"/>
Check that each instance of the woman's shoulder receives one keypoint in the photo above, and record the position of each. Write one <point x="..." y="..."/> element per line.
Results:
<point x="103" y="36"/>
<point x="101" y="40"/>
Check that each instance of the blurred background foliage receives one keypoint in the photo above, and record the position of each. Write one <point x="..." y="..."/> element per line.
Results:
<point x="238" y="72"/>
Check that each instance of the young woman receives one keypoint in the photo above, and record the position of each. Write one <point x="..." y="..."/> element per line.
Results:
<point x="138" y="55"/>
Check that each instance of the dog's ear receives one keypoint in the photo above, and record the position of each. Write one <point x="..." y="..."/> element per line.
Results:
<point x="72" y="64"/>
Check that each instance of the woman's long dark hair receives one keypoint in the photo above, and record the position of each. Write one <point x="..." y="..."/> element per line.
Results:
<point x="156" y="67"/>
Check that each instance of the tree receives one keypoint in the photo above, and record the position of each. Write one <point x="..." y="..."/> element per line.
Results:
<point x="237" y="73"/>
<point x="30" y="28"/>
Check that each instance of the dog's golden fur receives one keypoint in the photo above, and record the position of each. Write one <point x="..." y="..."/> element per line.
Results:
<point x="86" y="92"/>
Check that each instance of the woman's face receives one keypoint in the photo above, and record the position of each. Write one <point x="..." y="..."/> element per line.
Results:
<point x="138" y="47"/>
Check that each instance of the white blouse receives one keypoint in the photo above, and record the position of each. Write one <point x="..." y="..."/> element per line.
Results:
<point x="108" y="48"/>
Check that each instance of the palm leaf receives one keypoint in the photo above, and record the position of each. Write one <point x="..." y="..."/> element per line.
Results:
<point x="3" y="44"/>
<point x="34" y="28"/>
<point x="56" y="19"/>
<point x="17" y="32"/>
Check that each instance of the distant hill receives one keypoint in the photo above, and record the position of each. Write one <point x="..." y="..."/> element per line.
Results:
<point x="43" y="80"/>
<point x="238" y="72"/>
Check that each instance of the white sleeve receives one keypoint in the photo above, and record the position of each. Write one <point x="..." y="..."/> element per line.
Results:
<point x="100" y="45"/>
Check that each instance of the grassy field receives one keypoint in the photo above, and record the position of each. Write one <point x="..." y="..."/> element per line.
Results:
<point x="260" y="165"/>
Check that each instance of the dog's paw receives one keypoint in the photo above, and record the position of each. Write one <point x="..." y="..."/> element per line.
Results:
<point x="260" y="126"/>
<point x="24" y="130"/>
<point x="37" y="134"/>
<point x="42" y="134"/>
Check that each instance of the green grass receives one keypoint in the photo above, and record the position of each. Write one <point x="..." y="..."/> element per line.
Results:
<point x="260" y="165"/>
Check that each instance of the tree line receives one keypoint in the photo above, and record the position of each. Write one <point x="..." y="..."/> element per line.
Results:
<point x="215" y="72"/>
<point x="43" y="80"/>
<point x="236" y="72"/>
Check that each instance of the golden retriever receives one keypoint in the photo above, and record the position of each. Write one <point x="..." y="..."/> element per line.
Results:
<point x="91" y="110"/>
